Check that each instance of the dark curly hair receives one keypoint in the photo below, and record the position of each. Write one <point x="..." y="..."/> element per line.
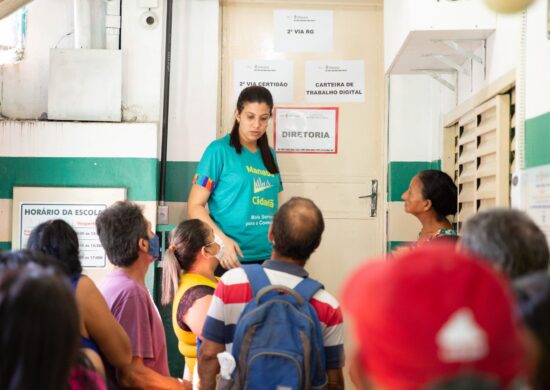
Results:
<point x="58" y="239"/>
<point x="119" y="228"/>
<point x="441" y="190"/>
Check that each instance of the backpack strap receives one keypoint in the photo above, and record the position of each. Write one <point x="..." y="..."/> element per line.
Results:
<point x="256" y="277"/>
<point x="307" y="288"/>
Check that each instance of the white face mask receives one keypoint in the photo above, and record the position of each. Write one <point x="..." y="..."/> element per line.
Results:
<point x="218" y="240"/>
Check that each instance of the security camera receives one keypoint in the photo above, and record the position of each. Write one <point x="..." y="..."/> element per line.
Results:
<point x="149" y="20"/>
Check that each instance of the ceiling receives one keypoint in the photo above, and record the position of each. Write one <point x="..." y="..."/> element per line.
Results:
<point x="9" y="6"/>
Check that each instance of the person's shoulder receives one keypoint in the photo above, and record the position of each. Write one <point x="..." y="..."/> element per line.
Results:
<point x="85" y="282"/>
<point x="218" y="148"/>
<point x="219" y="144"/>
<point x="86" y="289"/>
<point x="234" y="276"/>
<point x="119" y="285"/>
<point x="328" y="309"/>
<point x="327" y="298"/>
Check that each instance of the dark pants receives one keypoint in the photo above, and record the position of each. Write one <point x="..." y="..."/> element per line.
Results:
<point x="220" y="270"/>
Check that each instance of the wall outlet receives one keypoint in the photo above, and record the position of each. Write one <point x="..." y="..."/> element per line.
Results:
<point x="162" y="215"/>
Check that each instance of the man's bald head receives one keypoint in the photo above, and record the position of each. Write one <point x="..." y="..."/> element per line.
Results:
<point x="297" y="229"/>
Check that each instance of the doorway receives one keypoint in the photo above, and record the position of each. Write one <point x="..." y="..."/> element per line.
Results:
<point x="337" y="183"/>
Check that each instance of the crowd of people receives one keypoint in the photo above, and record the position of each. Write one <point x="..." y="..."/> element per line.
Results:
<point x="437" y="315"/>
<point x="444" y="312"/>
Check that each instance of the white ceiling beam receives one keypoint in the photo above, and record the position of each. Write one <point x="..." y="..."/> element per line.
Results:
<point x="9" y="6"/>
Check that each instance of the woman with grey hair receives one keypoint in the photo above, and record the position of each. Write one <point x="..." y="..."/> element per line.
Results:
<point x="507" y="238"/>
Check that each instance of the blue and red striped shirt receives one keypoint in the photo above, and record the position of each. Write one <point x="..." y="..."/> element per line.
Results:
<point x="233" y="292"/>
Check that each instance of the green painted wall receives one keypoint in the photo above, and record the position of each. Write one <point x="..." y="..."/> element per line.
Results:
<point x="139" y="175"/>
<point x="5" y="245"/>
<point x="391" y="245"/>
<point x="179" y="175"/>
<point x="537" y="141"/>
<point x="400" y="174"/>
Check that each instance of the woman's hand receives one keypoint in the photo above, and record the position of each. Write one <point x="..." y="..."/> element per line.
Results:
<point x="230" y="252"/>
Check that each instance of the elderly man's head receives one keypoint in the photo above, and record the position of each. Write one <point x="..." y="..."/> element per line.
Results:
<point x="509" y="239"/>
<point x="297" y="229"/>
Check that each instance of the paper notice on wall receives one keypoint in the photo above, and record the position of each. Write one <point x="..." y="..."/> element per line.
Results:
<point x="306" y="130"/>
<point x="335" y="81"/>
<point x="303" y="31"/>
<point x="535" y="196"/>
<point x="80" y="216"/>
<point x="276" y="75"/>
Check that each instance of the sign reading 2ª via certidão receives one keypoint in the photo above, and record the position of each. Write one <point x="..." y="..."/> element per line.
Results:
<point x="306" y="129"/>
<point x="275" y="75"/>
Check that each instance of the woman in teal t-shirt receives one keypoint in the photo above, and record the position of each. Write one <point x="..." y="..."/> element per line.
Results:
<point x="238" y="177"/>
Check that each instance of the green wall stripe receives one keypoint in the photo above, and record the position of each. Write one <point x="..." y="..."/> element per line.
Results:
<point x="5" y="245"/>
<point x="391" y="245"/>
<point x="179" y="175"/>
<point x="537" y="141"/>
<point x="138" y="175"/>
<point x="400" y="174"/>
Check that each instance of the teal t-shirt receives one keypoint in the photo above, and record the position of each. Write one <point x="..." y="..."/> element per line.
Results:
<point x="243" y="195"/>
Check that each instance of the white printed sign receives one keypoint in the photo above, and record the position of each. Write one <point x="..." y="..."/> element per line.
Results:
<point x="303" y="31"/>
<point x="277" y="76"/>
<point x="80" y="216"/>
<point x="335" y="81"/>
<point x="534" y="184"/>
<point x="306" y="130"/>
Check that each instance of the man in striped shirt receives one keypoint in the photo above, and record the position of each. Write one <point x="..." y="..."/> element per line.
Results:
<point x="295" y="234"/>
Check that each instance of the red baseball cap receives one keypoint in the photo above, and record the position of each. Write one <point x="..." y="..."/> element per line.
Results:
<point x="432" y="314"/>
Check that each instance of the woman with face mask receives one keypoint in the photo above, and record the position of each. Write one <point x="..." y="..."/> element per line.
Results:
<point x="188" y="281"/>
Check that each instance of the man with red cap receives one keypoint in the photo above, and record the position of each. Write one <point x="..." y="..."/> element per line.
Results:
<point x="434" y="318"/>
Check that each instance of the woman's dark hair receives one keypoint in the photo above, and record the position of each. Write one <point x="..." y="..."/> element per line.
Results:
<point x="10" y="260"/>
<point x="533" y="297"/>
<point x="119" y="227"/>
<point x="58" y="239"/>
<point x="441" y="190"/>
<point x="255" y="94"/>
<point x="187" y="239"/>
<point x="39" y="326"/>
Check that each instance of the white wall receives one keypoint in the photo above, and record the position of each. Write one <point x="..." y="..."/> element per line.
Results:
<point x="195" y="76"/>
<point x="142" y="63"/>
<point x="195" y="73"/>
<point x="24" y="92"/>
<point x="537" y="71"/>
<point x="502" y="54"/>
<point x="396" y="27"/>
<point x="417" y="106"/>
